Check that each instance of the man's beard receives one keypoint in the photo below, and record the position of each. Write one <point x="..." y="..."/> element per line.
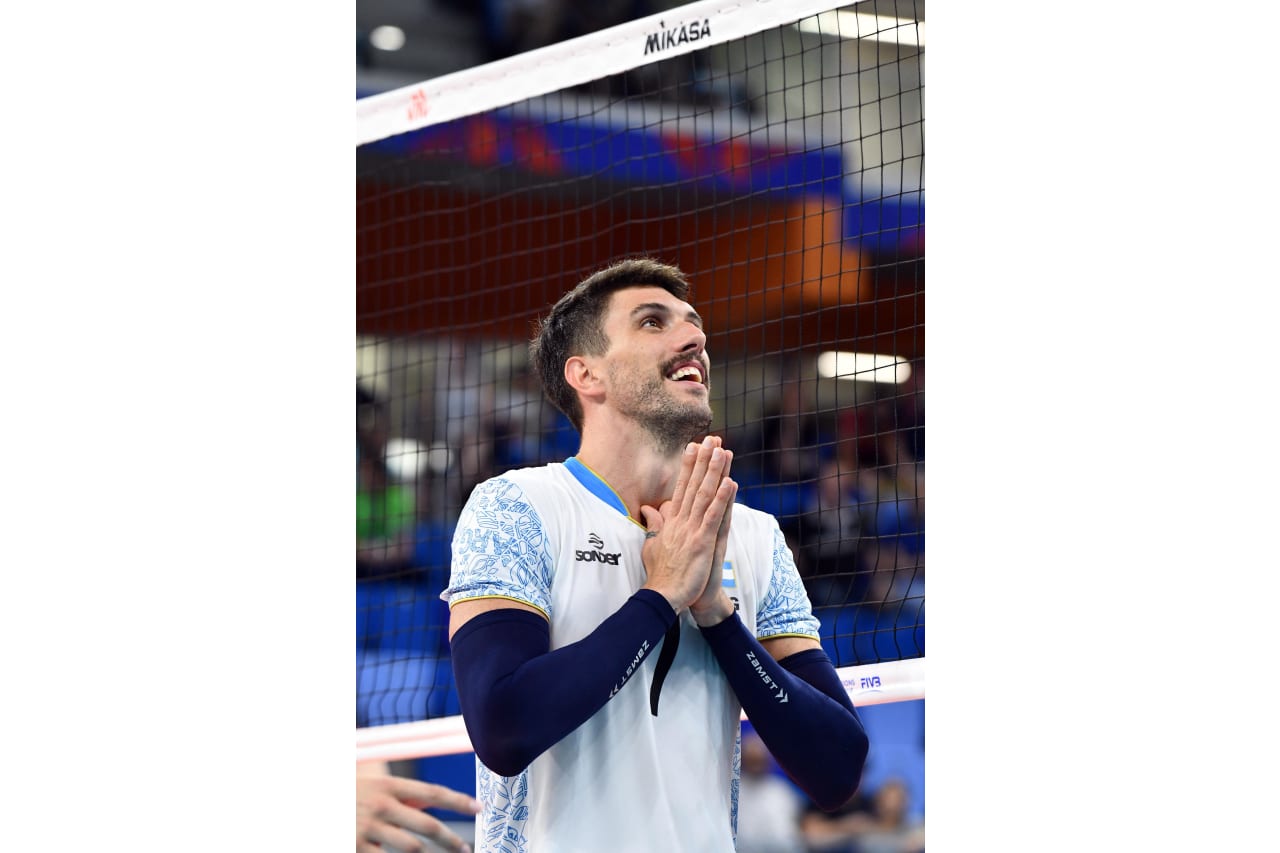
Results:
<point x="671" y="423"/>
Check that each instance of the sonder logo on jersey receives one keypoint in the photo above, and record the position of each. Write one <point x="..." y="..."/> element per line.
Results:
<point x="596" y="554"/>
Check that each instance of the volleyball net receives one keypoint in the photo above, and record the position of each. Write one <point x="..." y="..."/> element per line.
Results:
<point x="772" y="151"/>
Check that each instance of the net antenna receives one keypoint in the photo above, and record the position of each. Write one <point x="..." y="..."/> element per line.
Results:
<point x="775" y="152"/>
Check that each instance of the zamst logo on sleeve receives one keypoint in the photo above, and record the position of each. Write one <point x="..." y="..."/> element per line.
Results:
<point x="665" y="38"/>
<point x="596" y="554"/>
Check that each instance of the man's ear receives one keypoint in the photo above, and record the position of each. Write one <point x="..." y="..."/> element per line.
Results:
<point x="581" y="377"/>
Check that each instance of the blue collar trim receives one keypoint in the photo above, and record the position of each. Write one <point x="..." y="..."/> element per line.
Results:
<point x="594" y="484"/>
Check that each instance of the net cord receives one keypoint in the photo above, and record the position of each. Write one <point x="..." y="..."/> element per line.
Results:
<point x="572" y="63"/>
<point x="869" y="684"/>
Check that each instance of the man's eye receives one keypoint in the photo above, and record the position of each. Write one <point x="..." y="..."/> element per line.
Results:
<point x="650" y="321"/>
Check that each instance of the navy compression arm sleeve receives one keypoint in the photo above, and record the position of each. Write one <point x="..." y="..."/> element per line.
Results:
<point x="799" y="709"/>
<point x="518" y="698"/>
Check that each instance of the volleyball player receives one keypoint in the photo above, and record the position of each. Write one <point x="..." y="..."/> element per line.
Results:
<point x="613" y="615"/>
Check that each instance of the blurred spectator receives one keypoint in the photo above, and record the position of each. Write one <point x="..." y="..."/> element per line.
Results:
<point x="910" y="410"/>
<point x="432" y="538"/>
<point x="889" y="484"/>
<point x="465" y="400"/>
<point x="835" y="832"/>
<point x="384" y="508"/>
<point x="777" y="464"/>
<point x="882" y="826"/>
<point x="521" y="415"/>
<point x="878" y="473"/>
<point x="835" y="571"/>
<point x="768" y="805"/>
<point x="895" y="519"/>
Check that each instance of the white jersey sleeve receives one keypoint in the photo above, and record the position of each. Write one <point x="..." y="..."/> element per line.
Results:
<point x="785" y="609"/>
<point x="501" y="549"/>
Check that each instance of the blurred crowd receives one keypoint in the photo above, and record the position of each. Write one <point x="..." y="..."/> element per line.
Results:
<point x="774" y="816"/>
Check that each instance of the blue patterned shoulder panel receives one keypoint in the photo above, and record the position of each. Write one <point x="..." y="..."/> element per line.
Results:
<point x="785" y="607"/>
<point x="500" y="548"/>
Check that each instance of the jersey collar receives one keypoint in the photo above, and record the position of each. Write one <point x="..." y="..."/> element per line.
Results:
<point x="595" y="484"/>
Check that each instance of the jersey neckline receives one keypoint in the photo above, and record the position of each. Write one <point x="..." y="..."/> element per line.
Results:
<point x="596" y="485"/>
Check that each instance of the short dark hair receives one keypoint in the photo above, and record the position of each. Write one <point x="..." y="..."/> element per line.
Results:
<point x="575" y="325"/>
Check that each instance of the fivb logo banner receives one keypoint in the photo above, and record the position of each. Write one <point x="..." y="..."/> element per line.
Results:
<point x="887" y="681"/>
<point x="865" y="683"/>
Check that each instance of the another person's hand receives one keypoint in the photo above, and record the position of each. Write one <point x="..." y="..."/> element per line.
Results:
<point x="389" y="811"/>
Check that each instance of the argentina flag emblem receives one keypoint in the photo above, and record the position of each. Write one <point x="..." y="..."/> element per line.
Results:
<point x="729" y="582"/>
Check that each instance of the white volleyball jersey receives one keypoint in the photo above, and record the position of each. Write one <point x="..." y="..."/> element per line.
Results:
<point x="559" y="538"/>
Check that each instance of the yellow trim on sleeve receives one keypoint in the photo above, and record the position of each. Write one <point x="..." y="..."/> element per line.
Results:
<point x="779" y="636"/>
<point x="544" y="613"/>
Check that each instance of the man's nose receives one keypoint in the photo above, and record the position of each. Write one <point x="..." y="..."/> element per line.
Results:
<point x="695" y="340"/>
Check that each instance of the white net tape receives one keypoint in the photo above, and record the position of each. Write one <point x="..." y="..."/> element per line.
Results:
<point x="871" y="684"/>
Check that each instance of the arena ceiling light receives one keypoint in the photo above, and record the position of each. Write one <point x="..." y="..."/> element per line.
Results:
<point x="387" y="37"/>
<point x="864" y="367"/>
<point x="406" y="459"/>
<point x="863" y="25"/>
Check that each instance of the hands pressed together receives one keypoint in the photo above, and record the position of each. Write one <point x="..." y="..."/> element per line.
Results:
<point x="684" y="551"/>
